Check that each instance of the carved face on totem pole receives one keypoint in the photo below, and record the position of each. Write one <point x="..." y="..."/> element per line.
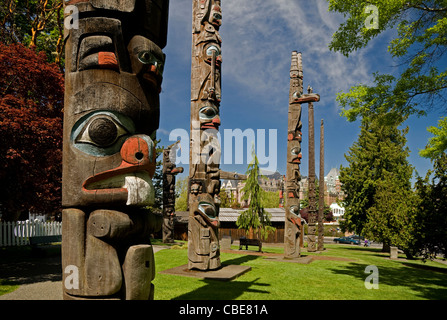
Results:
<point x="114" y="70"/>
<point x="205" y="121"/>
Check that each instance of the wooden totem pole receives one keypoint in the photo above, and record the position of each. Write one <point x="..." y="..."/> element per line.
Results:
<point x="169" y="172"/>
<point x="321" y="192"/>
<point x="312" y="218"/>
<point x="204" y="174"/>
<point x="113" y="77"/>
<point x="293" y="226"/>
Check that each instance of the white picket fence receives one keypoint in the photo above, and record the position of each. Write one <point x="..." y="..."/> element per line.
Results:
<point x="17" y="233"/>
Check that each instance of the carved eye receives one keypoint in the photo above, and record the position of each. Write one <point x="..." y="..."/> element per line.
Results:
<point x="208" y="209"/>
<point x="294" y="210"/>
<point x="295" y="151"/>
<point x="207" y="113"/>
<point x="147" y="57"/>
<point x="101" y="131"/>
<point x="211" y="49"/>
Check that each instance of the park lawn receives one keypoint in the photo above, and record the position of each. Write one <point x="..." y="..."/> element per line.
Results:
<point x="342" y="279"/>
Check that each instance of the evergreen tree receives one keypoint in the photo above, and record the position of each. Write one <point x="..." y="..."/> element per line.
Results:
<point x="379" y="201"/>
<point x="254" y="218"/>
<point x="432" y="218"/>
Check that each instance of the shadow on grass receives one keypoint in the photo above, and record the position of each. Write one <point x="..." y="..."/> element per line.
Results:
<point x="240" y="260"/>
<point x="226" y="290"/>
<point x="24" y="265"/>
<point x="218" y="290"/>
<point x="428" y="284"/>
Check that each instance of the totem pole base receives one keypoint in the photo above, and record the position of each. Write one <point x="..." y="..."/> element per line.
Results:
<point x="224" y="273"/>
<point x="301" y="260"/>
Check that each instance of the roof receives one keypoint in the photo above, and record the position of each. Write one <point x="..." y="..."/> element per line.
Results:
<point x="231" y="215"/>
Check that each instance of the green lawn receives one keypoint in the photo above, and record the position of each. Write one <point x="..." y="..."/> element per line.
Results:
<point x="321" y="279"/>
<point x="274" y="280"/>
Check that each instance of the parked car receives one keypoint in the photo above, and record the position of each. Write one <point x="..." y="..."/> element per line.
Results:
<point x="348" y="240"/>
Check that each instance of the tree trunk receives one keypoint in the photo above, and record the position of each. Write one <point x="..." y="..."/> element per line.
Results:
<point x="386" y="247"/>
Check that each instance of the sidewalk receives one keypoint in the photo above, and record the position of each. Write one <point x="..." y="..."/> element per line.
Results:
<point x="39" y="279"/>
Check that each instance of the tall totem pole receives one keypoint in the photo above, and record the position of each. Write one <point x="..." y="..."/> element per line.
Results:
<point x="312" y="218"/>
<point x="113" y="77"/>
<point x="293" y="227"/>
<point x="170" y="170"/>
<point x="320" y="246"/>
<point x="204" y="174"/>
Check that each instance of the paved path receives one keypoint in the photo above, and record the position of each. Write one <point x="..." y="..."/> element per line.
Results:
<point x="39" y="279"/>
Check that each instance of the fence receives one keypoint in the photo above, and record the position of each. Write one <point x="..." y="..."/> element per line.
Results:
<point x="17" y="233"/>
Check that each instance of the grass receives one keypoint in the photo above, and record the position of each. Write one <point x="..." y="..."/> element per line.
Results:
<point x="342" y="279"/>
<point x="320" y="280"/>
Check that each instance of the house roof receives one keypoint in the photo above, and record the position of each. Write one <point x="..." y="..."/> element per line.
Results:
<point x="231" y="215"/>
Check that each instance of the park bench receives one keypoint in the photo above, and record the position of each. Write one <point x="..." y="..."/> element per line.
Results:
<point x="249" y="242"/>
<point x="36" y="240"/>
<point x="38" y="243"/>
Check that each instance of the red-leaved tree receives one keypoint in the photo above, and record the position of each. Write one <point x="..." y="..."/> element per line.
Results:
<point x="31" y="107"/>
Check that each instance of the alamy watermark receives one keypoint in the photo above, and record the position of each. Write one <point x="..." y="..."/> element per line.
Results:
<point x="372" y="20"/>
<point x="372" y="281"/>
<point x="208" y="146"/>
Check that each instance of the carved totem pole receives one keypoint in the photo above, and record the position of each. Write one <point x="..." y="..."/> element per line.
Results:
<point x="320" y="246"/>
<point x="312" y="218"/>
<point x="169" y="172"/>
<point x="113" y="76"/>
<point x="293" y="227"/>
<point x="204" y="174"/>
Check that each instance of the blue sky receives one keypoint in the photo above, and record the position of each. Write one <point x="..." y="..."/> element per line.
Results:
<point x="258" y="39"/>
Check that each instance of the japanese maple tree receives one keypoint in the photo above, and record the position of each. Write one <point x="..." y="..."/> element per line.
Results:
<point x="31" y="107"/>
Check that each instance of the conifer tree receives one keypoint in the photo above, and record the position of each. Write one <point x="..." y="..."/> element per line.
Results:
<point x="255" y="218"/>
<point x="379" y="199"/>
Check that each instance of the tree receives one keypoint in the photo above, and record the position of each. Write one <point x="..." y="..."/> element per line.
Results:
<point x="254" y="218"/>
<point x="432" y="236"/>
<point x="377" y="183"/>
<point x="224" y="199"/>
<point x="181" y="190"/>
<point x="34" y="23"/>
<point x="270" y="199"/>
<point x="438" y="143"/>
<point x="419" y="49"/>
<point x="31" y="104"/>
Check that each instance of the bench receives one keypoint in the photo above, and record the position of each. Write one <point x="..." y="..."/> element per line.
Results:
<point x="249" y="242"/>
<point x="36" y="240"/>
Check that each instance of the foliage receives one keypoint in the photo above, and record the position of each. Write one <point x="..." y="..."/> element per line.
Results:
<point x="377" y="183"/>
<point x="438" y="143"/>
<point x="419" y="49"/>
<point x="34" y="23"/>
<point x="254" y="218"/>
<point x="31" y="104"/>
<point x="270" y="199"/>
<point x="225" y="201"/>
<point x="181" y="190"/>
<point x="432" y="235"/>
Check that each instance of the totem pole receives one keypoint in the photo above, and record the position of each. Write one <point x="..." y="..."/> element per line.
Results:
<point x="321" y="192"/>
<point x="169" y="172"/>
<point x="204" y="173"/>
<point x="293" y="226"/>
<point x="312" y="218"/>
<point x="113" y="77"/>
